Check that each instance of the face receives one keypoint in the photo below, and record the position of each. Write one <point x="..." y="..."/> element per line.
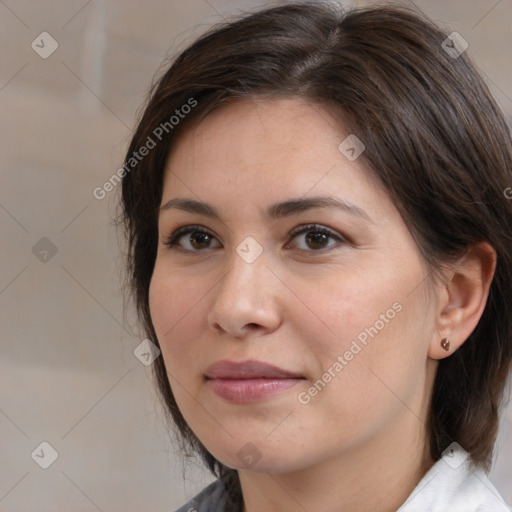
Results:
<point x="340" y="304"/>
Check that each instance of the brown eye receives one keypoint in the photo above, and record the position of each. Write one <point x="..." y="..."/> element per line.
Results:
<point x="317" y="237"/>
<point x="199" y="239"/>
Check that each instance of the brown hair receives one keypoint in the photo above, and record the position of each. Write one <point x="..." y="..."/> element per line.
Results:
<point x="434" y="136"/>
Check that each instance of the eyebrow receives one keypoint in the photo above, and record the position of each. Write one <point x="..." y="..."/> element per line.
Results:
<point x="274" y="211"/>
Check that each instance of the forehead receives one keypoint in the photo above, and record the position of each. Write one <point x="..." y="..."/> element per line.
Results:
<point x="268" y="150"/>
<point x="260" y="130"/>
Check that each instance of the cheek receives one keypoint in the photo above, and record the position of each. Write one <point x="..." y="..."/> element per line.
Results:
<point x="174" y="308"/>
<point x="374" y="323"/>
<point x="383" y="363"/>
<point x="351" y="304"/>
<point x="161" y="307"/>
<point x="174" y="311"/>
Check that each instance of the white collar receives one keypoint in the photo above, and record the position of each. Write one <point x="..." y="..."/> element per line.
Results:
<point x="452" y="485"/>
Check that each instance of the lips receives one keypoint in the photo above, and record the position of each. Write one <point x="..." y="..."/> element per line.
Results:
<point x="247" y="370"/>
<point x="249" y="381"/>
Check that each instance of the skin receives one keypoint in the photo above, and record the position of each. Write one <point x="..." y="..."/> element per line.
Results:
<point x="361" y="442"/>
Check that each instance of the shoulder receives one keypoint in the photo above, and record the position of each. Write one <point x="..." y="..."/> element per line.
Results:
<point x="452" y="484"/>
<point x="211" y="499"/>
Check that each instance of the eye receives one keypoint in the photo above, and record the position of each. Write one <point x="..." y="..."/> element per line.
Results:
<point x="200" y="240"/>
<point x="316" y="238"/>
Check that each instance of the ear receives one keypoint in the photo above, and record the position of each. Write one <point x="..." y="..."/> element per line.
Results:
<point x="463" y="298"/>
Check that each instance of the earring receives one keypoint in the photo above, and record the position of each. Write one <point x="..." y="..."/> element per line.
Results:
<point x="445" y="343"/>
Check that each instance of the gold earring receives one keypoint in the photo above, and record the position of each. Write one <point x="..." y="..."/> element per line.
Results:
<point x="445" y="343"/>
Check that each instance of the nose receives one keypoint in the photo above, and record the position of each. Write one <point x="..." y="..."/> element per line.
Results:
<point x="246" y="298"/>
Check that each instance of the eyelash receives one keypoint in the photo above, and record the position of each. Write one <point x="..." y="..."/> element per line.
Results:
<point x="171" y="240"/>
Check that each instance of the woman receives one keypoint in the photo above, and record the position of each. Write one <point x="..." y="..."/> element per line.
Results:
<point x="319" y="246"/>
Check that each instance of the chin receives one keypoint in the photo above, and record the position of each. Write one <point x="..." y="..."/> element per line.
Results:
<point x="260" y="459"/>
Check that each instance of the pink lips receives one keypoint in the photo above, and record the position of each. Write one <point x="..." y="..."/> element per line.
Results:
<point x="248" y="381"/>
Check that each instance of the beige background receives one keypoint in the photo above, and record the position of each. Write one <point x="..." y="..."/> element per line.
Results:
<point x="68" y="375"/>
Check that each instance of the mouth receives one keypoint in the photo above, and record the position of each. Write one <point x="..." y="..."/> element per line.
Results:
<point x="249" y="381"/>
<point x="247" y="370"/>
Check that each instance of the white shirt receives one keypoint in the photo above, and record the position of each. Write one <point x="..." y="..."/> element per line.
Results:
<point x="449" y="486"/>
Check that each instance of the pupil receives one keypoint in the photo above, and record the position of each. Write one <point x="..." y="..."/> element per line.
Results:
<point x="317" y="238"/>
<point x="199" y="235"/>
